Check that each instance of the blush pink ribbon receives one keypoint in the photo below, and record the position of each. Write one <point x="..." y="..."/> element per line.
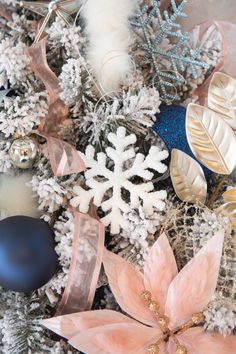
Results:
<point x="58" y="110"/>
<point x="4" y="13"/>
<point x="64" y="158"/>
<point x="89" y="233"/>
<point x="88" y="246"/>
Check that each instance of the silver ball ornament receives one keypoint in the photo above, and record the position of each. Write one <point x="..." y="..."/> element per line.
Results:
<point x="23" y="152"/>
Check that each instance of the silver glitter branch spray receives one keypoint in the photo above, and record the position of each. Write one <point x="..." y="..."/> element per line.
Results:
<point x="154" y="27"/>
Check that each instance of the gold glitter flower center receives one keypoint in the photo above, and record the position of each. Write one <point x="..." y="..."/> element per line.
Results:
<point x="164" y="321"/>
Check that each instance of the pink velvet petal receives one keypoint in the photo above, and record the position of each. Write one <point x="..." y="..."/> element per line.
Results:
<point x="116" y="339"/>
<point x="69" y="325"/>
<point x="171" y="347"/>
<point x="126" y="283"/>
<point x="198" y="341"/>
<point x="159" y="270"/>
<point x="192" y="289"/>
<point x="61" y="325"/>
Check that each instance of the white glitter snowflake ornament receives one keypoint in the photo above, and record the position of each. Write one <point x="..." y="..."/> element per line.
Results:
<point x="112" y="184"/>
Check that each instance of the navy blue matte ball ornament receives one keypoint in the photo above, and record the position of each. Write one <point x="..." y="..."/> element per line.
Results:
<point x="27" y="256"/>
<point x="170" y="126"/>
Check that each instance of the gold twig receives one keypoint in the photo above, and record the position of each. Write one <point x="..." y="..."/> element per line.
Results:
<point x="216" y="191"/>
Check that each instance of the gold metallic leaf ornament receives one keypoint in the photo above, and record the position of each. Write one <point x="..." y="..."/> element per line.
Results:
<point x="222" y="97"/>
<point x="229" y="209"/>
<point x="61" y="8"/>
<point x="187" y="177"/>
<point x="211" y="139"/>
<point x="230" y="195"/>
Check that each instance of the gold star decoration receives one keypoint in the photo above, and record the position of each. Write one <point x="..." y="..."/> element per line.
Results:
<point x="61" y="8"/>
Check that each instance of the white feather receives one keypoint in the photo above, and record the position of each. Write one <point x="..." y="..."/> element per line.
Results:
<point x="16" y="197"/>
<point x="109" y="35"/>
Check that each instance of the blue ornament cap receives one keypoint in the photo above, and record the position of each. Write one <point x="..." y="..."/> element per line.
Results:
<point x="170" y="126"/>
<point x="27" y="256"/>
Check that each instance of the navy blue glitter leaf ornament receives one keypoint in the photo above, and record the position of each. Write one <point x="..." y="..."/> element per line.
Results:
<point x="27" y="256"/>
<point x="170" y="126"/>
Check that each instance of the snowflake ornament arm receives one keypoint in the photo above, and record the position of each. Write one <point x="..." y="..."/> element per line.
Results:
<point x="112" y="188"/>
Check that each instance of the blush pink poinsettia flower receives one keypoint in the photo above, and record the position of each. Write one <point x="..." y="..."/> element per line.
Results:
<point x="165" y="306"/>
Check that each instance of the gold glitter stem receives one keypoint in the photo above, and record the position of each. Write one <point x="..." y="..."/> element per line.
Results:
<point x="43" y="26"/>
<point x="62" y="18"/>
<point x="216" y="191"/>
<point x="175" y="340"/>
